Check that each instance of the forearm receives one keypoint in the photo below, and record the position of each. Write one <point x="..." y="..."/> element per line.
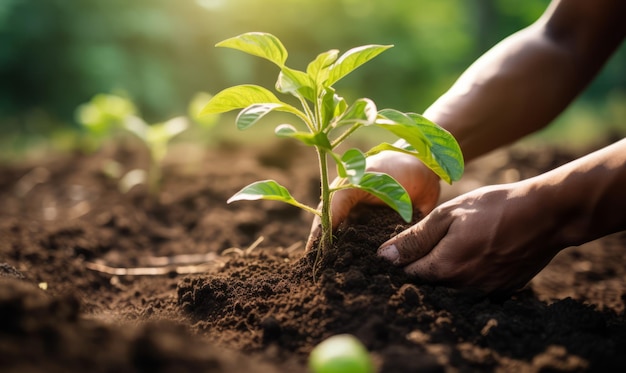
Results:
<point x="585" y="199"/>
<point x="517" y="88"/>
<point x="524" y="82"/>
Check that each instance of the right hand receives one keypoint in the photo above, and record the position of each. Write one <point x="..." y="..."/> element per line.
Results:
<point x="420" y="182"/>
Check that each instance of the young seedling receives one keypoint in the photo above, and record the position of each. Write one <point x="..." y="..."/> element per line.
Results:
<point x="107" y="113"/>
<point x="327" y="121"/>
<point x="103" y="115"/>
<point x="156" y="137"/>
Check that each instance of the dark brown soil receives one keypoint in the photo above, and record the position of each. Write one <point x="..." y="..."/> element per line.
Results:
<point x="231" y="289"/>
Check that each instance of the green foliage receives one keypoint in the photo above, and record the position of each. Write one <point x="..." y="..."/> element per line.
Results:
<point x="106" y="114"/>
<point x="56" y="54"/>
<point x="328" y="120"/>
<point x="198" y="101"/>
<point x="156" y="137"/>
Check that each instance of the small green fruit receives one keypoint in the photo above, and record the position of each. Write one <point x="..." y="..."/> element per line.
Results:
<point x="341" y="353"/>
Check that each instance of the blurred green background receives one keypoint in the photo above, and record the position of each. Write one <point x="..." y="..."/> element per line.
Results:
<point x="57" y="54"/>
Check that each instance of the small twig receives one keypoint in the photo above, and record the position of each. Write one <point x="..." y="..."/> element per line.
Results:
<point x="233" y="250"/>
<point x="154" y="271"/>
<point x="253" y="246"/>
<point x="179" y="264"/>
<point x="293" y="247"/>
<point x="161" y="261"/>
<point x="243" y="253"/>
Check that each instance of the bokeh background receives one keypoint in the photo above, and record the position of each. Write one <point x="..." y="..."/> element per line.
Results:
<point x="57" y="54"/>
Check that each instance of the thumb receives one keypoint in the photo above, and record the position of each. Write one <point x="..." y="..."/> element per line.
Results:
<point x="417" y="241"/>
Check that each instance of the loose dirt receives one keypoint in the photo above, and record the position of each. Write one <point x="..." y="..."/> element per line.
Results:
<point x="93" y="279"/>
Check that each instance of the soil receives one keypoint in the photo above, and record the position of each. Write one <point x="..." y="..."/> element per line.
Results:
<point x="96" y="280"/>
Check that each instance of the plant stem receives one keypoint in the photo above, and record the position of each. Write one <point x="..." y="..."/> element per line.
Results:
<point x="309" y="118"/>
<point x="326" y="238"/>
<point x="345" y="134"/>
<point x="154" y="179"/>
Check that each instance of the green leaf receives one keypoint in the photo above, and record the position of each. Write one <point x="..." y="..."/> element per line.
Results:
<point x="385" y="146"/>
<point x="238" y="97"/>
<point x="195" y="106"/>
<point x="341" y="167"/>
<point x="444" y="147"/>
<point x="333" y="106"/>
<point x="362" y="111"/>
<point x="433" y="145"/>
<point x="164" y="132"/>
<point x="354" y="163"/>
<point x="104" y="113"/>
<point x="258" y="44"/>
<point x="388" y="190"/>
<point x="265" y="189"/>
<point x="312" y="139"/>
<point x="253" y="113"/>
<point x="295" y="82"/>
<point x="352" y="59"/>
<point x="137" y="126"/>
<point x="318" y="69"/>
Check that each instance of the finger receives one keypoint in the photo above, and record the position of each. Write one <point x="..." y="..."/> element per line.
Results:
<point x="427" y="268"/>
<point x="417" y="241"/>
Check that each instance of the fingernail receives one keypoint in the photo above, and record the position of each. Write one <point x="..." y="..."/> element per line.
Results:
<point x="389" y="253"/>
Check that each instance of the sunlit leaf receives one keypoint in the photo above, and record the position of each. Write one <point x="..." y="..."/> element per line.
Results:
<point x="316" y="139"/>
<point x="385" y="146"/>
<point x="163" y="132"/>
<point x="388" y="190"/>
<point x="253" y="113"/>
<point x="352" y="59"/>
<point x="353" y="161"/>
<point x="333" y="106"/>
<point x="104" y="113"/>
<point x="238" y="97"/>
<point x="137" y="126"/>
<point x="259" y="44"/>
<point x="443" y="145"/>
<point x="265" y="189"/>
<point x="341" y="167"/>
<point x="295" y="82"/>
<point x="197" y="103"/>
<point x="362" y="111"/>
<point x="433" y="145"/>
<point x="318" y="69"/>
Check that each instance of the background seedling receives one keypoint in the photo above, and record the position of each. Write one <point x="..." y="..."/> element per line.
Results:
<point x="156" y="137"/>
<point x="102" y="116"/>
<point x="328" y="120"/>
<point x="106" y="114"/>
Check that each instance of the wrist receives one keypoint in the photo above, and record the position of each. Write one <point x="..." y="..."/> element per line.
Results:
<point x="557" y="209"/>
<point x="566" y="198"/>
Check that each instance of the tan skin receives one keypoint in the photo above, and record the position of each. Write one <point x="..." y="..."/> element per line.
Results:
<point x="497" y="238"/>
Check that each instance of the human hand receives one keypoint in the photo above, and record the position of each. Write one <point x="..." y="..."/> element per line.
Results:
<point x="420" y="182"/>
<point x="494" y="239"/>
